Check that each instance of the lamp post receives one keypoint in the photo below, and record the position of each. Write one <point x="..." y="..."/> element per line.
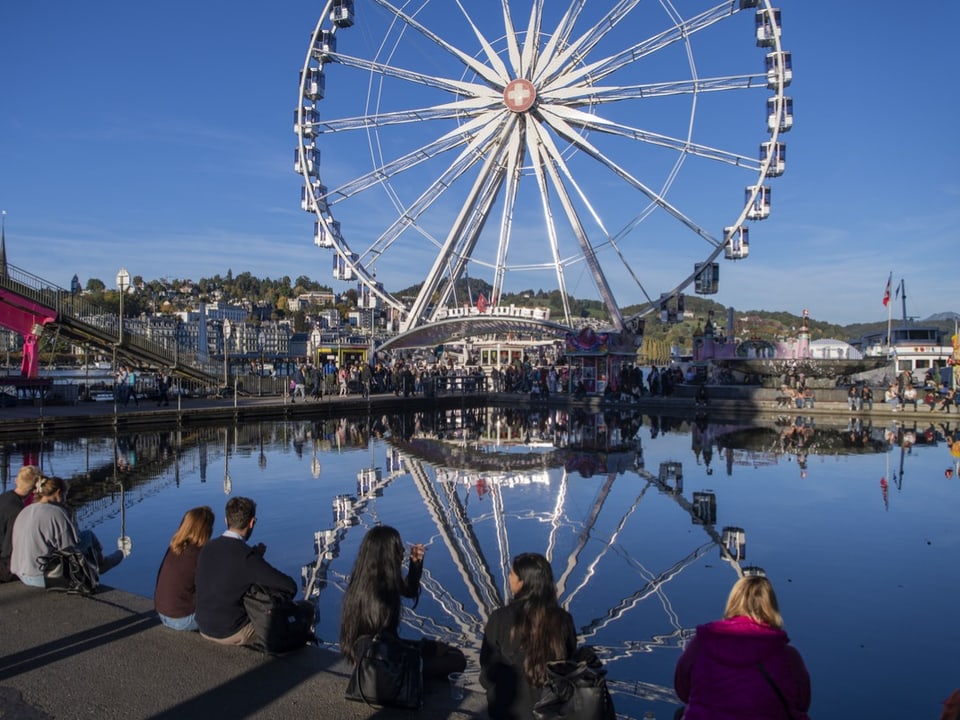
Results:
<point x="260" y="369"/>
<point x="123" y="282"/>
<point x="227" y="329"/>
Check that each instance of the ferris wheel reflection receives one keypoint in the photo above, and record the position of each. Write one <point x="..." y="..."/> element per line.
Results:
<point x="495" y="466"/>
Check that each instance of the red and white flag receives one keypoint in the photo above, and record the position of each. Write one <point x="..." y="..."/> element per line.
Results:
<point x="886" y="293"/>
<point x="481" y="303"/>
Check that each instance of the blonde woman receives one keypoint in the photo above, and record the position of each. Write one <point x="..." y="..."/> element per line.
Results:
<point x="46" y="525"/>
<point x="12" y="503"/>
<point x="42" y="527"/>
<point x="174" y="597"/>
<point x="743" y="665"/>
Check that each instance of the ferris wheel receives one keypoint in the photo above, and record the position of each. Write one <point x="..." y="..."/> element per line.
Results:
<point x="603" y="150"/>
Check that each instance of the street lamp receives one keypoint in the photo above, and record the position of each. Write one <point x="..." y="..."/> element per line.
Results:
<point x="123" y="282"/>
<point x="260" y="369"/>
<point x="227" y="330"/>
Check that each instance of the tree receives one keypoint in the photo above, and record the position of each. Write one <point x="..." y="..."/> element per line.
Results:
<point x="95" y="285"/>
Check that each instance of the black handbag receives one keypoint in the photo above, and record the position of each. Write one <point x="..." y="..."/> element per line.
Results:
<point x="280" y="624"/>
<point x="68" y="570"/>
<point x="388" y="672"/>
<point x="575" y="691"/>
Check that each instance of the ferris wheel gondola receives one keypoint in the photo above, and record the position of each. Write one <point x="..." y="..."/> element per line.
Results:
<point x="565" y="153"/>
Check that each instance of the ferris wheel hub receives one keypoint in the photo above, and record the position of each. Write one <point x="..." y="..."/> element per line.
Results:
<point x="519" y="95"/>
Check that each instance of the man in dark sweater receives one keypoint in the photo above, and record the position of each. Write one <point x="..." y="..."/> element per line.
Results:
<point x="226" y="569"/>
<point x="11" y="503"/>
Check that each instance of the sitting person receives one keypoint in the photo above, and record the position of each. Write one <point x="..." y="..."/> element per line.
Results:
<point x="174" y="597"/>
<point x="854" y="398"/>
<point x="892" y="397"/>
<point x="743" y="665"/>
<point x="702" y="399"/>
<point x="227" y="568"/>
<point x="44" y="526"/>
<point x="947" y="399"/>
<point x="11" y="503"/>
<point x="522" y="637"/>
<point x="372" y="601"/>
<point x="909" y="396"/>
<point x="866" y="397"/>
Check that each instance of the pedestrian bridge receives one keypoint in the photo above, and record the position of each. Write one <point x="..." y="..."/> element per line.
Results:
<point x="35" y="308"/>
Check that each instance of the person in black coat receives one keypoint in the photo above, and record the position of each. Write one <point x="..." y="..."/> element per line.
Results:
<point x="372" y="601"/>
<point x="226" y="569"/>
<point x="11" y="503"/>
<point x="522" y="637"/>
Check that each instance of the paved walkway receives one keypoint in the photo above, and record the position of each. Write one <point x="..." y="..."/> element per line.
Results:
<point x="107" y="656"/>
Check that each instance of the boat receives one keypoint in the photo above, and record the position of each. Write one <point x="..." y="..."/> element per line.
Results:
<point x="914" y="348"/>
<point x="908" y="346"/>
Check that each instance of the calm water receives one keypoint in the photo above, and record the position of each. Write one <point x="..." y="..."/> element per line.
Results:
<point x="855" y="526"/>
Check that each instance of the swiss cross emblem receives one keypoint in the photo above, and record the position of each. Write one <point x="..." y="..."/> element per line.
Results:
<point x="519" y="95"/>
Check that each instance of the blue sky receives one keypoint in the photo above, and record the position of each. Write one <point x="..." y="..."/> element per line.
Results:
<point x="160" y="139"/>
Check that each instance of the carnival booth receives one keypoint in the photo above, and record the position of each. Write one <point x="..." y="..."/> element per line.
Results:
<point x="595" y="358"/>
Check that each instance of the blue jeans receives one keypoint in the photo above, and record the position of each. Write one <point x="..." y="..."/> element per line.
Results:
<point x="184" y="623"/>
<point x="33" y="580"/>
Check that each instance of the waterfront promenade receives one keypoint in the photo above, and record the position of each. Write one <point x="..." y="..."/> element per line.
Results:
<point x="34" y="419"/>
<point x="107" y="657"/>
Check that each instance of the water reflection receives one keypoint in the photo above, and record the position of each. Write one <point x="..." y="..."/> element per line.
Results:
<point x="644" y="537"/>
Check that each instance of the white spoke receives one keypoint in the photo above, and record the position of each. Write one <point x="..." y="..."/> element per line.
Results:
<point x="468" y="107"/>
<point x="435" y="275"/>
<point x="568" y="133"/>
<point x="513" y="49"/>
<point x="582" y="47"/>
<point x="407" y="217"/>
<point x="539" y="162"/>
<point x="605" y="66"/>
<point x="580" y="95"/>
<point x="455" y="87"/>
<point x="479" y="68"/>
<point x="561" y="36"/>
<point x="496" y="62"/>
<point x="452" y="139"/>
<point x="586" y="248"/>
<point x="515" y="155"/>
<point x="531" y="42"/>
<point x="586" y="121"/>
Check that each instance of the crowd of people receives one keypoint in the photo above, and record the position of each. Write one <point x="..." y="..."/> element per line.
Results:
<point x="742" y="665"/>
<point x="905" y="391"/>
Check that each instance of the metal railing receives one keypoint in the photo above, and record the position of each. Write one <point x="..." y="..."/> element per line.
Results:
<point x="85" y="322"/>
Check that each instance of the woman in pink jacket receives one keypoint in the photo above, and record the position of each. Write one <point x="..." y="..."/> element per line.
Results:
<point x="744" y="666"/>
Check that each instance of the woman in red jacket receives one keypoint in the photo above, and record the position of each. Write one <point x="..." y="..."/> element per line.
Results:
<point x="743" y="665"/>
<point x="174" y="596"/>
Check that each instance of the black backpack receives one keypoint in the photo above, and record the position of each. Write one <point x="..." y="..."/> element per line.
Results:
<point x="280" y="623"/>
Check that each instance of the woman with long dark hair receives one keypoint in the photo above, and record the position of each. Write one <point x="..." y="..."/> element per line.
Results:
<point x="174" y="597"/>
<point x="372" y="601"/>
<point x="522" y="637"/>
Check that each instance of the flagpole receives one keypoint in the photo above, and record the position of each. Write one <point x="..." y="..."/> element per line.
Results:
<point x="889" y="319"/>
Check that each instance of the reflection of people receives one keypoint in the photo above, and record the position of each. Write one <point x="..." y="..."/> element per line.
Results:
<point x="371" y="603"/>
<point x="226" y="569"/>
<point x="522" y="637"/>
<point x="11" y="503"/>
<point x="174" y="597"/>
<point x="743" y="665"/>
